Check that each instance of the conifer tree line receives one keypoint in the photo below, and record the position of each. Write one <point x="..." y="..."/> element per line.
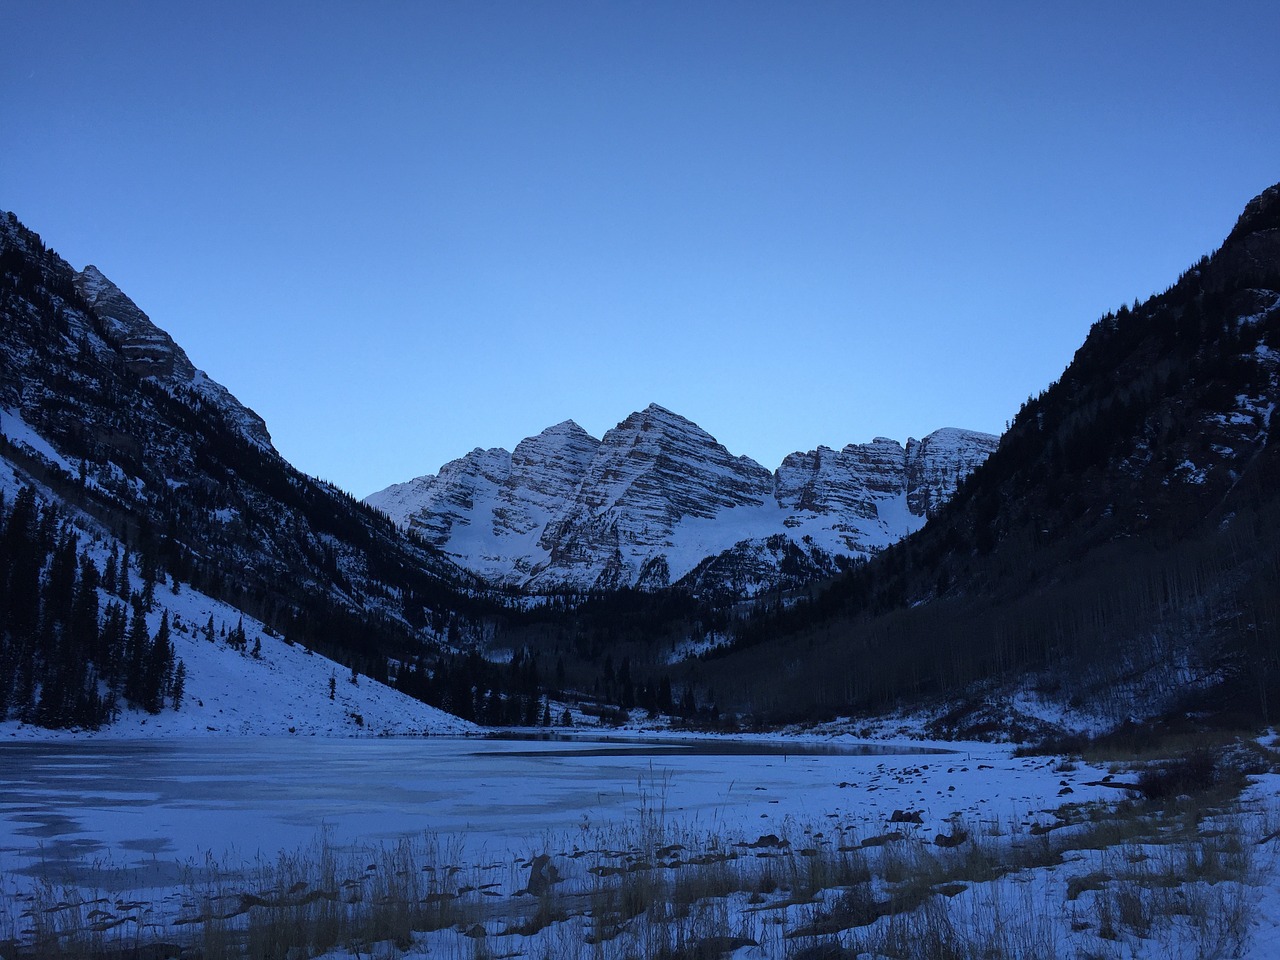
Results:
<point x="74" y="642"/>
<point x="1127" y="528"/>
<point x="519" y="692"/>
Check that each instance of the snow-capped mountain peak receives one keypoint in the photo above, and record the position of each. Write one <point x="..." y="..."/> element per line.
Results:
<point x="658" y="499"/>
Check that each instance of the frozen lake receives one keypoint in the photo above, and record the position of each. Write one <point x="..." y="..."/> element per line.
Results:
<point x="83" y="809"/>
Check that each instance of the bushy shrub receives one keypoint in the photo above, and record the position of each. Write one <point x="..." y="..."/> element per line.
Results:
<point x="1191" y="773"/>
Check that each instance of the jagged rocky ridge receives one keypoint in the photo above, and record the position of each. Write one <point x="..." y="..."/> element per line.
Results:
<point x="658" y="501"/>
<point x="107" y="417"/>
<point x="150" y="352"/>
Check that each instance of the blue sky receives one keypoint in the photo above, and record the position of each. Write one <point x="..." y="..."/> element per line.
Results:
<point x="402" y="230"/>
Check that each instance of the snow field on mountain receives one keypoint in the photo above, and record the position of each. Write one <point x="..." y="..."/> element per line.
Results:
<point x="566" y="510"/>
<point x="19" y="431"/>
<point x="695" y="538"/>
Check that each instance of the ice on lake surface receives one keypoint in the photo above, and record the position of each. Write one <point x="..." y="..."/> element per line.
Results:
<point x="69" y="809"/>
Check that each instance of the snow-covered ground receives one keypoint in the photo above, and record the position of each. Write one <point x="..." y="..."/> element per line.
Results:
<point x="100" y="809"/>
<point x="270" y="687"/>
<point x="19" y="431"/>
<point x="284" y="690"/>
<point x="191" y="796"/>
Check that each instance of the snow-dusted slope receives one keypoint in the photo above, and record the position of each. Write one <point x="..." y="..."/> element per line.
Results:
<point x="283" y="690"/>
<point x="270" y="687"/>
<point x="658" y="499"/>
<point x="652" y="476"/>
<point x="493" y="506"/>
<point x="120" y="436"/>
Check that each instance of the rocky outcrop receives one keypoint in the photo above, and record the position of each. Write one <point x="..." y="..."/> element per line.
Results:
<point x="651" y="473"/>
<point x="937" y="464"/>
<point x="658" y="501"/>
<point x="150" y="352"/>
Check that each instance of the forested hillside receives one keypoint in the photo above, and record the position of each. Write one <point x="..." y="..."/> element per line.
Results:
<point x="108" y="432"/>
<point x="1120" y="551"/>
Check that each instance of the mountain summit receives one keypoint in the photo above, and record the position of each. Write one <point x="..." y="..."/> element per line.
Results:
<point x="658" y="501"/>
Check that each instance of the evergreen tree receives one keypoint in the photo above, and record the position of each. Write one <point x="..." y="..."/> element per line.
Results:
<point x="109" y="573"/>
<point x="137" y="655"/>
<point x="179" y="684"/>
<point x="123" y="589"/>
<point x="159" y="666"/>
<point x="83" y="624"/>
<point x="112" y="644"/>
<point x="25" y="561"/>
<point x="237" y="640"/>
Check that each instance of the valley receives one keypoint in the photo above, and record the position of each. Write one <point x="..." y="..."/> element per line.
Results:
<point x="1084" y="609"/>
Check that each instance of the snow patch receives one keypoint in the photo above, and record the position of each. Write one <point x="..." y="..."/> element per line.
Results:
<point x="20" y="432"/>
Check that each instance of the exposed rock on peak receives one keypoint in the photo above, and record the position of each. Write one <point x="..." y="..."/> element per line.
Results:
<point x="652" y="471"/>
<point x="659" y="500"/>
<point x="1261" y="213"/>
<point x="937" y="464"/>
<point x="150" y="352"/>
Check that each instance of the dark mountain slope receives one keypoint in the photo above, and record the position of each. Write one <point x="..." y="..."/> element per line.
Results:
<point x="1120" y="550"/>
<point x="104" y="414"/>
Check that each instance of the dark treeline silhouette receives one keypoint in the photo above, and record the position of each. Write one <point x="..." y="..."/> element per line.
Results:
<point x="74" y="641"/>
<point x="1121" y="542"/>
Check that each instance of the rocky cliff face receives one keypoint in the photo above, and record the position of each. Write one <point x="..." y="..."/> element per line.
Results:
<point x="937" y="464"/>
<point x="492" y="506"/>
<point x="658" y="500"/>
<point x="652" y="474"/>
<point x="150" y="352"/>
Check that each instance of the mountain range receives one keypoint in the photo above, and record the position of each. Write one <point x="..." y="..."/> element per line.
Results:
<point x="130" y="478"/>
<point x="659" y="502"/>
<point x="1115" y="555"/>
